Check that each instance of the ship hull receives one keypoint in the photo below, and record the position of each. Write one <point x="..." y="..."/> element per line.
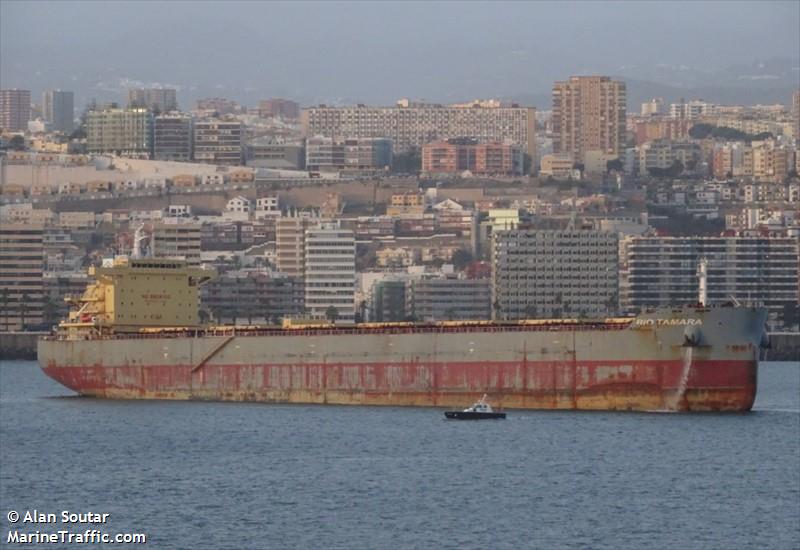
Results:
<point x="644" y="367"/>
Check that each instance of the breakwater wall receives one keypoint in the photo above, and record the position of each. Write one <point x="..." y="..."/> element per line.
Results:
<point x="19" y="345"/>
<point x="784" y="346"/>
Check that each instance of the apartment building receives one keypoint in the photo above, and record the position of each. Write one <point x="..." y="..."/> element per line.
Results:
<point x="58" y="109"/>
<point x="21" y="283"/>
<point x="178" y="241"/>
<point x="589" y="116"/>
<point x="449" y="299"/>
<point x="161" y="100"/>
<point x="458" y="155"/>
<point x="252" y="297"/>
<point x="218" y="141"/>
<point x="330" y="271"/>
<point x="662" y="271"/>
<point x="268" y="153"/>
<point x="277" y="107"/>
<point x="649" y="130"/>
<point x="410" y="126"/>
<point x="124" y="132"/>
<point x="326" y="154"/>
<point x="554" y="273"/>
<point x="173" y="137"/>
<point x="691" y="110"/>
<point x="15" y="110"/>
<point x="557" y="166"/>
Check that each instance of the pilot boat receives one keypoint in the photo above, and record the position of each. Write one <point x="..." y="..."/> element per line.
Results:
<point x="481" y="410"/>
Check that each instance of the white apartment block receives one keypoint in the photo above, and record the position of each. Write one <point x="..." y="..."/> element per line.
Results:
<point x="330" y="271"/>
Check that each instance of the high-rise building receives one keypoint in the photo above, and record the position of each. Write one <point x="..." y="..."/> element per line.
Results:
<point x="155" y="99"/>
<point x="325" y="154"/>
<point x="589" y="115"/>
<point x="173" y="136"/>
<point x="125" y="132"/>
<point x="330" y="271"/>
<point x="21" y="272"/>
<point x="277" y="107"/>
<point x="796" y="116"/>
<point x="411" y="125"/>
<point x="177" y="241"/>
<point x="554" y="273"/>
<point x="290" y="244"/>
<point x="218" y="141"/>
<point x="15" y="110"/>
<point x="663" y="271"/>
<point x="58" y="108"/>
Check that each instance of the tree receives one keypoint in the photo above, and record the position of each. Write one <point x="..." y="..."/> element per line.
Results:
<point x="614" y="165"/>
<point x="50" y="310"/>
<point x="17" y="143"/>
<point x="4" y="300"/>
<point x="332" y="314"/>
<point x="497" y="308"/>
<point x="558" y="311"/>
<point x="79" y="133"/>
<point x="461" y="258"/>
<point x="204" y="316"/>
<point x="409" y="162"/>
<point x="266" y="307"/>
<point x="790" y="315"/>
<point x="611" y="304"/>
<point x="700" y="131"/>
<point x="23" y="310"/>
<point x="450" y="313"/>
<point x="527" y="163"/>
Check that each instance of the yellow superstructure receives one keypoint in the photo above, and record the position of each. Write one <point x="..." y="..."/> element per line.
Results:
<point x="132" y="295"/>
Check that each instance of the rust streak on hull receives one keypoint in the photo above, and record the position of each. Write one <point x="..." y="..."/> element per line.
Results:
<point x="642" y="386"/>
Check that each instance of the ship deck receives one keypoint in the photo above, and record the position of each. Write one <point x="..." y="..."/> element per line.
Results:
<point x="322" y="330"/>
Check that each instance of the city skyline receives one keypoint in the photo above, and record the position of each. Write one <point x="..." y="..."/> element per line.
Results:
<point x="430" y="55"/>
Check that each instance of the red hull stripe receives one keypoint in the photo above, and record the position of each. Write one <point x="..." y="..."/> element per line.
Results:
<point x="410" y="377"/>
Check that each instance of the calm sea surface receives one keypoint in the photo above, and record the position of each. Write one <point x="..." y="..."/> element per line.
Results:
<point x="226" y="475"/>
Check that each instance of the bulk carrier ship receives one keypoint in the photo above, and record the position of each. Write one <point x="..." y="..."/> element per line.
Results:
<point x="135" y="334"/>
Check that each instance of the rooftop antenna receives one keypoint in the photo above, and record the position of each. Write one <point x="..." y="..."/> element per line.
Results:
<point x="702" y="272"/>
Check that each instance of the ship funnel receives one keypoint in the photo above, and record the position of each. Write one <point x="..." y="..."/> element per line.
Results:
<point x="702" y="272"/>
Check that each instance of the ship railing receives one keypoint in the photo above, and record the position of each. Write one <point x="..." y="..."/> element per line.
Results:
<point x="355" y="330"/>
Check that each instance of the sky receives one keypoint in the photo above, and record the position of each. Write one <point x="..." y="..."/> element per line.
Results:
<point x="377" y="52"/>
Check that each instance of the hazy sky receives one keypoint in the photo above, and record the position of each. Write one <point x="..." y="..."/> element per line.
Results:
<point x="375" y="52"/>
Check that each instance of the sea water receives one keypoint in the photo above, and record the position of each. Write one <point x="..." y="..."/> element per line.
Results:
<point x="238" y="475"/>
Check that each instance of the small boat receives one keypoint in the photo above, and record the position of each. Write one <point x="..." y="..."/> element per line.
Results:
<point x="479" y="411"/>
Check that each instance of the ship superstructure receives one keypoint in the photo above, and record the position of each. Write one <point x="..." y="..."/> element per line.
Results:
<point x="134" y="338"/>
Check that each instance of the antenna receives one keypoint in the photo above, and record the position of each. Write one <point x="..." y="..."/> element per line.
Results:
<point x="702" y="272"/>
